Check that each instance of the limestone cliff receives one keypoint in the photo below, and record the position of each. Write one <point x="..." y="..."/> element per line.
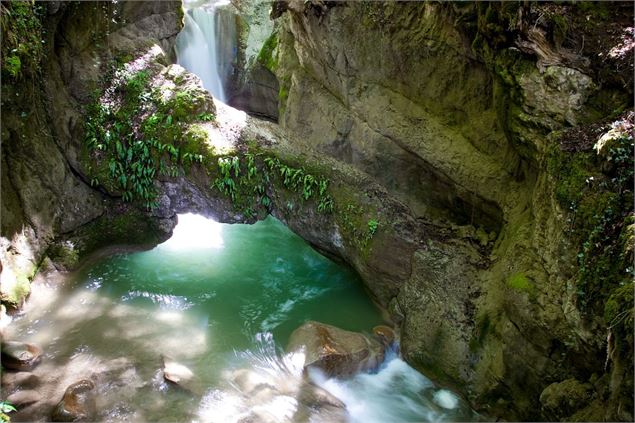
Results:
<point x="455" y="110"/>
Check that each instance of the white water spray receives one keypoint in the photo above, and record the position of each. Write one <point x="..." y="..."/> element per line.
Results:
<point x="199" y="45"/>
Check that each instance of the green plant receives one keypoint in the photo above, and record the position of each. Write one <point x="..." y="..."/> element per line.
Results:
<point x="6" y="407"/>
<point x="372" y="227"/>
<point x="22" y="37"/>
<point x="304" y="183"/>
<point x="12" y="65"/>
<point x="206" y="117"/>
<point x="138" y="136"/>
<point x="245" y="182"/>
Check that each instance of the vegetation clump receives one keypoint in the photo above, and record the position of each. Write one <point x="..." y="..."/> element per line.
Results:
<point x="139" y="134"/>
<point x="596" y="188"/>
<point x="245" y="180"/>
<point x="22" y="38"/>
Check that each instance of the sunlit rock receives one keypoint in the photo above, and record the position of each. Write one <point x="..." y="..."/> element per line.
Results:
<point x="20" y="356"/>
<point x="335" y="351"/>
<point x="385" y="335"/>
<point x="78" y="403"/>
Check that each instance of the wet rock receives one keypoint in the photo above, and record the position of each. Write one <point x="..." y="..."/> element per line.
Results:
<point x="20" y="355"/>
<point x="20" y="379"/>
<point x="175" y="372"/>
<point x="335" y="351"/>
<point x="315" y="397"/>
<point x="24" y="398"/>
<point x="180" y="375"/>
<point x="77" y="404"/>
<point x="385" y="334"/>
<point x="562" y="399"/>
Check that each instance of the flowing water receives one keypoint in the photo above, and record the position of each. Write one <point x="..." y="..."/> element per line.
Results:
<point x="219" y="299"/>
<point x="206" y="44"/>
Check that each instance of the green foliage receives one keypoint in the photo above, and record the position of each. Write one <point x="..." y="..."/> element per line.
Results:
<point x="245" y="181"/>
<point x="372" y="227"/>
<point x="12" y="65"/>
<point x="599" y="198"/>
<point x="136" y="150"/>
<point x="6" y="407"/>
<point x="206" y="117"/>
<point x="304" y="183"/>
<point x="353" y="219"/>
<point x="22" y="38"/>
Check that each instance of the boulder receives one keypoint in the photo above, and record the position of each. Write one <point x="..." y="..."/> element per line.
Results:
<point x="335" y="351"/>
<point x="77" y="404"/>
<point x="385" y="335"/>
<point x="560" y="400"/>
<point x="20" y="355"/>
<point x="180" y="375"/>
<point x="20" y="380"/>
<point x="24" y="398"/>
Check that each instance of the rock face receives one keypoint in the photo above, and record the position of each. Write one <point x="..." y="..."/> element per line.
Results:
<point x="20" y="356"/>
<point x="337" y="352"/>
<point x="77" y="405"/>
<point x="454" y="119"/>
<point x="561" y="400"/>
<point x="46" y="193"/>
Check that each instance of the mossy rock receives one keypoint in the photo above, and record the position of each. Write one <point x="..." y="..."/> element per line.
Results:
<point x="128" y="227"/>
<point x="562" y="399"/>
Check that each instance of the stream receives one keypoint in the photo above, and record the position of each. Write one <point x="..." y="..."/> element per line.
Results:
<point x="217" y="298"/>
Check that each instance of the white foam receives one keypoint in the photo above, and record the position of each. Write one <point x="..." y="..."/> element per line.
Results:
<point x="446" y="399"/>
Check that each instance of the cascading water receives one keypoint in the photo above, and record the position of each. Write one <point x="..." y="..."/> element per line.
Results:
<point x="204" y="46"/>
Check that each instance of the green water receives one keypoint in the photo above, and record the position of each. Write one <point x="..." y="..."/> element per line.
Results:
<point x="215" y="298"/>
<point x="263" y="279"/>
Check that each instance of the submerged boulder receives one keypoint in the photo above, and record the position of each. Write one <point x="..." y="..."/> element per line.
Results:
<point x="24" y="398"/>
<point x="180" y="375"/>
<point x="335" y="351"/>
<point x="22" y="380"/>
<point x="77" y="404"/>
<point x="20" y="355"/>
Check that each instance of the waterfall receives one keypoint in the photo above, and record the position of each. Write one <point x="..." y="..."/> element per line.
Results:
<point x="201" y="47"/>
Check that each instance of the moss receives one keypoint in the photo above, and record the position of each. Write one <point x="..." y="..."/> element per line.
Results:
<point x="17" y="290"/>
<point x="267" y="55"/>
<point x="560" y="29"/>
<point x="128" y="227"/>
<point x="64" y="254"/>
<point x="22" y="39"/>
<point x="520" y="282"/>
<point x="482" y="329"/>
<point x="357" y="221"/>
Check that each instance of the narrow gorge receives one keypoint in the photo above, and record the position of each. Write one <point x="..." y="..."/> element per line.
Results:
<point x="311" y="210"/>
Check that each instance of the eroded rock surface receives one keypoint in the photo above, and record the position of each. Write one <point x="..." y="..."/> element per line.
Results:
<point x="77" y="405"/>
